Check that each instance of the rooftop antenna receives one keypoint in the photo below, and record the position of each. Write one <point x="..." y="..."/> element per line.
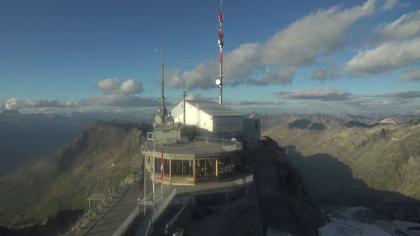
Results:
<point x="162" y="112"/>
<point x="219" y="80"/>
<point x="185" y="96"/>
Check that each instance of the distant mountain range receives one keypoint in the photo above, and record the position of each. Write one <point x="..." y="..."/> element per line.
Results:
<point x="270" y="120"/>
<point x="347" y="161"/>
<point x="97" y="159"/>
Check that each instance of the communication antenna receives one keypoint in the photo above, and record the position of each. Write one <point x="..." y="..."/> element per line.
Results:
<point x="219" y="80"/>
<point x="185" y="96"/>
<point x="162" y="109"/>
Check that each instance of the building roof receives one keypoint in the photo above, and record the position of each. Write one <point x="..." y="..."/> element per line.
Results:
<point x="213" y="109"/>
<point x="201" y="147"/>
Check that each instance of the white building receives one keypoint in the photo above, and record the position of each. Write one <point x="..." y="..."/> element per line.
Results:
<point x="210" y="117"/>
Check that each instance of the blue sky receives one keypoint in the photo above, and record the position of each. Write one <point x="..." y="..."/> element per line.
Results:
<point x="54" y="54"/>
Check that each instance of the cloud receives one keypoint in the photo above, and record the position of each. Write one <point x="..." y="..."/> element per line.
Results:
<point x="405" y="27"/>
<point x="411" y="75"/>
<point x="118" y="100"/>
<point x="131" y="87"/>
<point x="403" y="95"/>
<point x="110" y="84"/>
<point x="315" y="94"/>
<point x="276" y="76"/>
<point x="276" y="60"/>
<point x="389" y="5"/>
<point x="254" y="103"/>
<point x="117" y="94"/>
<point x="320" y="32"/>
<point x="111" y="100"/>
<point x="14" y="103"/>
<point x="114" y="85"/>
<point x="329" y="72"/>
<point x="386" y="57"/>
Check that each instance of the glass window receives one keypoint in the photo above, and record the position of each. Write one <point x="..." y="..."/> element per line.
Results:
<point x="166" y="167"/>
<point x="176" y="168"/>
<point x="187" y="168"/>
<point x="200" y="167"/>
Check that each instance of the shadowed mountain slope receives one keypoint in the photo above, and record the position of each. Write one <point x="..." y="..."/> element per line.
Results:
<point x="102" y="156"/>
<point x="385" y="156"/>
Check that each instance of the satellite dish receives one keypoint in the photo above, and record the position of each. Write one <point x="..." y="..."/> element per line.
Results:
<point x="218" y="82"/>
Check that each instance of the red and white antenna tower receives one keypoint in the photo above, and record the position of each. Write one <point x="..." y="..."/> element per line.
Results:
<point x="219" y="80"/>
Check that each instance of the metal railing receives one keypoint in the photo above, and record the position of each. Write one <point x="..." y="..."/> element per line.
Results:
<point x="85" y="223"/>
<point x="187" y="205"/>
<point x="154" y="213"/>
<point x="122" y="229"/>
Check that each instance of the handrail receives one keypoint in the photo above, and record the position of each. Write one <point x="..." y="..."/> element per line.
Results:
<point x="153" y="214"/>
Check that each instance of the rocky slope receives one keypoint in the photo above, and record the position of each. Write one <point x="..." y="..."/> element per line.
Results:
<point x="102" y="156"/>
<point x="352" y="162"/>
<point x="285" y="204"/>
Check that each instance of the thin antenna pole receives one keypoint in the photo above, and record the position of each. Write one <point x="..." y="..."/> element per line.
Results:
<point x="185" y="96"/>
<point x="162" y="79"/>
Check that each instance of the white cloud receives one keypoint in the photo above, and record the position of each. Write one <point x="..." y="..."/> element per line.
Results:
<point x="411" y="75"/>
<point x="109" y="84"/>
<point x="407" y="26"/>
<point x="275" y="61"/>
<point x="117" y="94"/>
<point x="14" y="103"/>
<point x="403" y="95"/>
<point x="110" y="100"/>
<point x="389" y="5"/>
<point x="131" y="87"/>
<point x="320" y="32"/>
<point x="114" y="85"/>
<point x="118" y="100"/>
<point x="275" y="76"/>
<point x="328" y="72"/>
<point x="386" y="57"/>
<point x="315" y="94"/>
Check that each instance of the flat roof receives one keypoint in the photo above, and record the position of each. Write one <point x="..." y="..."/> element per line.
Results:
<point x="195" y="148"/>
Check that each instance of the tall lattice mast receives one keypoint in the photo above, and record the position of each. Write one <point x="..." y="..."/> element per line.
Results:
<point x="219" y="81"/>
<point x="161" y="117"/>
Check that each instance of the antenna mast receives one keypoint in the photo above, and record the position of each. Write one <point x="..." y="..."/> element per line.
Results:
<point x="162" y="79"/>
<point x="185" y="96"/>
<point x="219" y="81"/>
<point x="162" y="109"/>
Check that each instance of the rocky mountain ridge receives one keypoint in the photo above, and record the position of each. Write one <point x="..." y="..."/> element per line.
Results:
<point x="352" y="162"/>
